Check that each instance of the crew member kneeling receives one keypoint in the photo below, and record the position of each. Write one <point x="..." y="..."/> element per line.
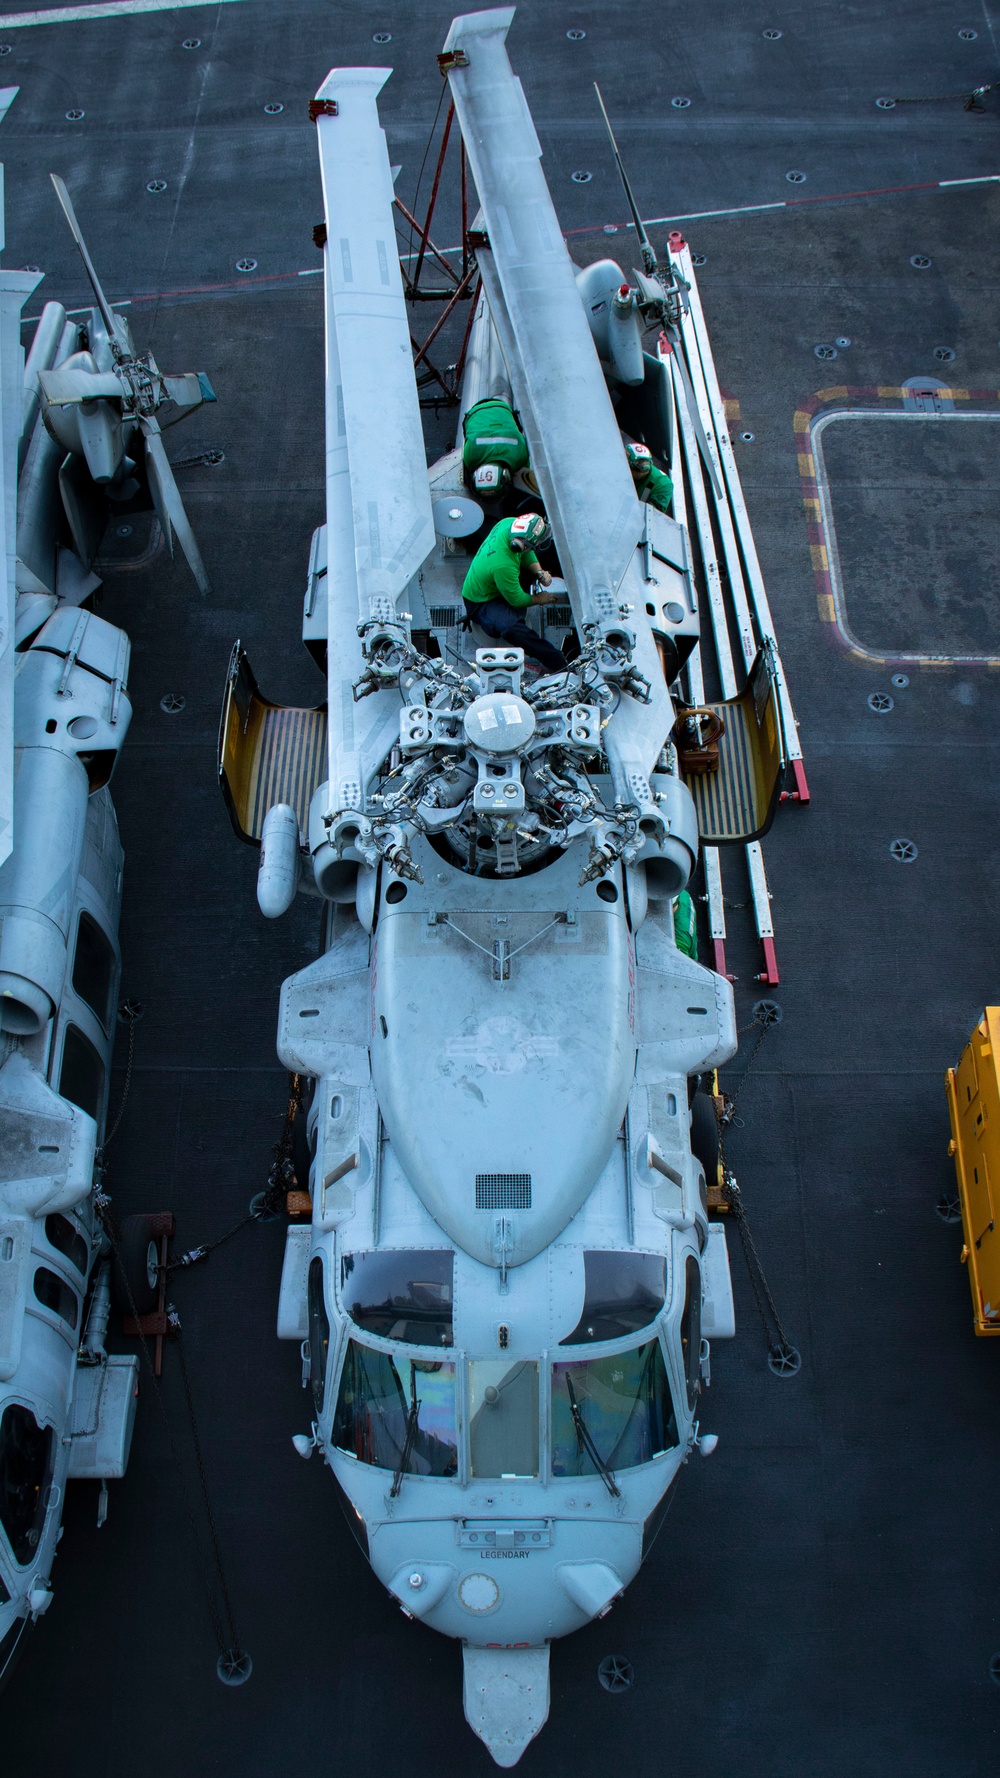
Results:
<point x="495" y="593"/>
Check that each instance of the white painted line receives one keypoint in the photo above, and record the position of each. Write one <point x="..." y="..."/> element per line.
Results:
<point x="110" y="9"/>
<point x="984" y="179"/>
<point x="7" y="96"/>
<point x="315" y="270"/>
<point x="699" y="215"/>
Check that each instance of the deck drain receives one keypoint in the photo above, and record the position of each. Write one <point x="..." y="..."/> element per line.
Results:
<point x="771" y="36"/>
<point x="273" y="109"/>
<point x="576" y="36"/>
<point x="995" y="1669"/>
<point x="943" y="354"/>
<point x="747" y="437"/>
<point x="903" y="851"/>
<point x="699" y="259"/>
<point x="213" y="458"/>
<point x="611" y="228"/>
<point x="796" y="178"/>
<point x="784" y="1361"/>
<point x="616" y="1674"/>
<point x="680" y="104"/>
<point x="172" y="703"/>
<point x="824" y="351"/>
<point x="381" y="36"/>
<point x="123" y="530"/>
<point x="767" y="1012"/>
<point x="968" y="35"/>
<point x="74" y="116"/>
<point x="920" y="262"/>
<point x="246" y="265"/>
<point x="130" y="1012"/>
<point x="886" y="104"/>
<point x="31" y="268"/>
<point x="843" y="342"/>
<point x="948" y="1207"/>
<point x="881" y="703"/>
<point x="234" y="1666"/>
<point x="156" y="185"/>
<point x="191" y="43"/>
<point x="5" y="49"/>
<point x="581" y="178"/>
<point x="900" y="681"/>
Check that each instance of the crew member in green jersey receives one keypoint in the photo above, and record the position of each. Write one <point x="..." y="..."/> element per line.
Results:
<point x="494" y="448"/>
<point x="495" y="592"/>
<point x="651" y="485"/>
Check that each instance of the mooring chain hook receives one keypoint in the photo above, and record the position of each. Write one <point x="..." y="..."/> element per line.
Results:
<point x="266" y="1204"/>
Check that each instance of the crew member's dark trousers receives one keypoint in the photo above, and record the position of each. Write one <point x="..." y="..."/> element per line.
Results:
<point x="504" y="624"/>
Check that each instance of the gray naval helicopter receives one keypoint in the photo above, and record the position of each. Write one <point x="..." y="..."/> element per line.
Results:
<point x="71" y="413"/>
<point x="510" y="1279"/>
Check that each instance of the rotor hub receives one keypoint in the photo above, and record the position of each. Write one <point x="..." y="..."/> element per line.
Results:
<point x="500" y="722"/>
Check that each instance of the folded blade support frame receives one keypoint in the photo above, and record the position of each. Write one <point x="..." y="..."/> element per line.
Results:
<point x="748" y="615"/>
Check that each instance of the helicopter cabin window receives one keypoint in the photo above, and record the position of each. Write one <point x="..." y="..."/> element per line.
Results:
<point x="618" y="1408"/>
<point x="81" y="1077"/>
<point x="94" y="969"/>
<point x="397" y="1413"/>
<point x="67" y="1240"/>
<point x="319" y="1333"/>
<point x="503" y="1425"/>
<point x="623" y="1293"/>
<point x="53" y="1294"/>
<point x="26" y="1464"/>
<point x="403" y="1296"/>
<point x="691" y="1331"/>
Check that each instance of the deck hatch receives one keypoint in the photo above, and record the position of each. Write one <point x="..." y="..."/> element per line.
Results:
<point x="503" y="1191"/>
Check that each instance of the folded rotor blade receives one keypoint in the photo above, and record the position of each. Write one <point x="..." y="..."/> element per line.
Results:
<point x="557" y="380"/>
<point x="168" y="503"/>
<point x="71" y="384"/>
<point x="373" y="410"/>
<point x="70" y="214"/>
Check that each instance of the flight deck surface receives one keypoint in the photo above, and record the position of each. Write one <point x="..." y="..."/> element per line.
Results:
<point x="823" y="1597"/>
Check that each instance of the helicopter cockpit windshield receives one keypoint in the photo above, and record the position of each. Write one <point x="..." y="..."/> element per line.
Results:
<point x="397" y="1413"/>
<point x="624" y="1406"/>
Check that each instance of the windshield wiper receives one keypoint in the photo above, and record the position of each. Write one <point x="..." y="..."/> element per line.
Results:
<point x="585" y="1439"/>
<point x="411" y="1432"/>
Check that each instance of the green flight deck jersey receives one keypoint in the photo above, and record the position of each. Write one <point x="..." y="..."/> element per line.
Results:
<point x="495" y="570"/>
<point x="656" y="489"/>
<point x="492" y="435"/>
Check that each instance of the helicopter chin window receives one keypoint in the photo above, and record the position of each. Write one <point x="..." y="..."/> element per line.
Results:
<point x="402" y="1296"/>
<point x="625" y="1404"/>
<point x="397" y="1413"/>
<point x="623" y="1292"/>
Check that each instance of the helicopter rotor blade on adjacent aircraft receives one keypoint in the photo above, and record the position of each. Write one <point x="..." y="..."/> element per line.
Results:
<point x="107" y="313"/>
<point x="169" y="505"/>
<point x="72" y="383"/>
<point x="139" y="389"/>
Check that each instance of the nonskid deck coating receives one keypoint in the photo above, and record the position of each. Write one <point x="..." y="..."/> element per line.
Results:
<point x="823" y="1597"/>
